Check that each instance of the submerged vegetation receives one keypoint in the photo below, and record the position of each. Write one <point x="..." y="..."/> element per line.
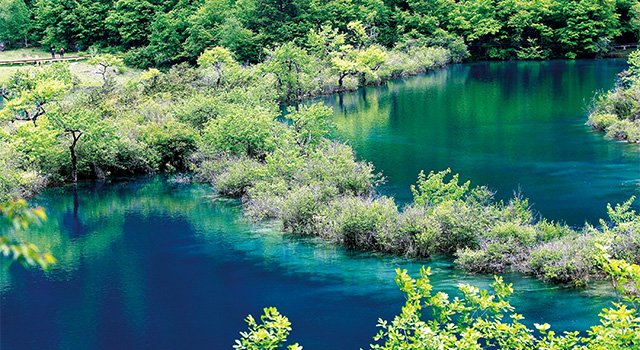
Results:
<point x="617" y="112"/>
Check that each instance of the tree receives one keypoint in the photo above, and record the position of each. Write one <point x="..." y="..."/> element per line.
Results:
<point x="350" y="61"/>
<point x="168" y="33"/>
<point x="104" y="62"/>
<point x="242" y="41"/>
<point x="635" y="20"/>
<point x="310" y="123"/>
<point x="15" y="21"/>
<point x="70" y="22"/>
<point x="220" y="60"/>
<point x="75" y="122"/>
<point x="30" y="91"/>
<point x="204" y="30"/>
<point x="290" y="64"/>
<point x="358" y="58"/>
<point x="325" y="41"/>
<point x="132" y="20"/>
<point x="581" y="24"/>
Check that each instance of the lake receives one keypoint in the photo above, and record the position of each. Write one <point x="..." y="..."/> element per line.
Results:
<point x="512" y="126"/>
<point x="150" y="263"/>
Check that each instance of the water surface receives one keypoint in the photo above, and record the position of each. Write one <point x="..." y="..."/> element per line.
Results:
<point x="508" y="125"/>
<point x="148" y="264"/>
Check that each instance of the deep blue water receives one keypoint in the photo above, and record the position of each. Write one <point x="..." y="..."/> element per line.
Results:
<point x="146" y="264"/>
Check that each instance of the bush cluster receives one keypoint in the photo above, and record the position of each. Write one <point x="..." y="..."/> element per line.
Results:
<point x="617" y="112"/>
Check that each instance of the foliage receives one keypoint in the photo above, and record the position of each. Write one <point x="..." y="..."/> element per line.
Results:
<point x="19" y="217"/>
<point x="106" y="63"/>
<point x="131" y="20"/>
<point x="617" y="112"/>
<point x="162" y="34"/>
<point x="291" y="66"/>
<point x="268" y="335"/>
<point x="220" y="60"/>
<point x="29" y="91"/>
<point x="311" y="123"/>
<point x="432" y="190"/>
<point x="241" y="132"/>
<point x="15" y="21"/>
<point x="480" y="319"/>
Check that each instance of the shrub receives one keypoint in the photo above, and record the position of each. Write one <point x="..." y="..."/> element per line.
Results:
<point x="368" y="223"/>
<point x="549" y="231"/>
<point x="242" y="131"/>
<point x="237" y="175"/>
<point x="302" y="207"/>
<point x="432" y="190"/>
<point x="495" y="257"/>
<point x="618" y="111"/>
<point x="172" y="140"/>
<point x="199" y="109"/>
<point x="421" y="229"/>
<point x="570" y="260"/>
<point x="601" y="121"/>
<point x="334" y="163"/>
<point x="138" y="57"/>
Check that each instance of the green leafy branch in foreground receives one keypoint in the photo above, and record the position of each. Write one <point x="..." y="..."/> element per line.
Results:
<point x="19" y="217"/>
<point x="268" y="335"/>
<point x="481" y="319"/>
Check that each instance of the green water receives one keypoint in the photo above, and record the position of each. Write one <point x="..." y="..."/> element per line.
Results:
<point x="507" y="125"/>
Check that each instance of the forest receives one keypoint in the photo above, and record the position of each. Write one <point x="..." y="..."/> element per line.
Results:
<point x="163" y="33"/>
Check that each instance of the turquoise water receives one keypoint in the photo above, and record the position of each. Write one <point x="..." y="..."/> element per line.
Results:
<point x="513" y="126"/>
<point x="152" y="264"/>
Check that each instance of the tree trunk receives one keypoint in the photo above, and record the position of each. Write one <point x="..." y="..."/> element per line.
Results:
<point x="74" y="164"/>
<point x="74" y="159"/>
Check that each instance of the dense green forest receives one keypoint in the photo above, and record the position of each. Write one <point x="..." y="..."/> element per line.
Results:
<point x="162" y="33"/>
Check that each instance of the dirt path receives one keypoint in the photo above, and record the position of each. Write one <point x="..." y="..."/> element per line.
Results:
<point x="34" y="60"/>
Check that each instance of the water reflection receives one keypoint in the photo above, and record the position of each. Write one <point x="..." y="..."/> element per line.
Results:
<point x="507" y="125"/>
